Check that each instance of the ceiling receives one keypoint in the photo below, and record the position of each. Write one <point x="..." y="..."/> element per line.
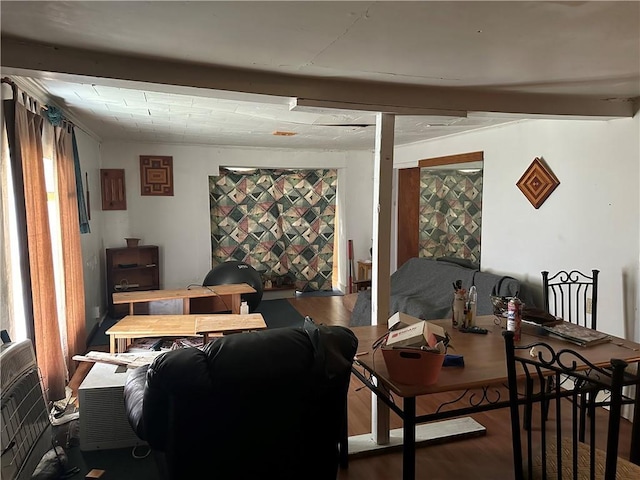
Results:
<point x="233" y="73"/>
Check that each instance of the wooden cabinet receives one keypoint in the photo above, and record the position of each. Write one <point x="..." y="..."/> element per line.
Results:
<point x="130" y="269"/>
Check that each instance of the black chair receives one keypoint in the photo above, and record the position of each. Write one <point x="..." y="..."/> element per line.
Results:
<point x="573" y="296"/>
<point x="552" y="445"/>
<point x="265" y="404"/>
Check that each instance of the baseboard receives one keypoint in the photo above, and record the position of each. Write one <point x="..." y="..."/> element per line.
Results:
<point x="426" y="434"/>
<point x="95" y="328"/>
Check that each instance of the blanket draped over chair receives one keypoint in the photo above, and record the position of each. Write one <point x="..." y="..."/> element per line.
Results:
<point x="422" y="288"/>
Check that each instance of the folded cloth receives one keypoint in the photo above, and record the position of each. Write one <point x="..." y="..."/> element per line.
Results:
<point x="537" y="315"/>
<point x="451" y="360"/>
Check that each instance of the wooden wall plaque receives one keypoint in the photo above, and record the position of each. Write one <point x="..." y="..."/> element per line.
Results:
<point x="113" y="189"/>
<point x="537" y="182"/>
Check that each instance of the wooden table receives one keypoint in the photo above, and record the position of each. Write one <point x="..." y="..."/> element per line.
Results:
<point x="226" y="324"/>
<point x="485" y="365"/>
<point x="232" y="291"/>
<point x="364" y="269"/>
<point x="143" y="326"/>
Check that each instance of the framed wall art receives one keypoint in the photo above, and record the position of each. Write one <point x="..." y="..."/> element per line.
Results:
<point x="156" y="175"/>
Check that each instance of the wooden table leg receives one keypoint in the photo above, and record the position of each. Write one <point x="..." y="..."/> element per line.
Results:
<point x="186" y="305"/>
<point x="235" y="303"/>
<point x="131" y="308"/>
<point x="122" y="345"/>
<point x="112" y="343"/>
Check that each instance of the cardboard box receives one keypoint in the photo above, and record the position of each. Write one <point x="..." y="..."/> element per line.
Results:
<point x="416" y="334"/>
<point x="400" y="320"/>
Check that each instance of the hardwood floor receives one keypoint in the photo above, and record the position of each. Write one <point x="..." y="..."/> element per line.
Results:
<point x="324" y="310"/>
<point x="483" y="458"/>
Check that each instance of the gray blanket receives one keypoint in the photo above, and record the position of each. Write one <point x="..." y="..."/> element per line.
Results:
<point x="423" y="288"/>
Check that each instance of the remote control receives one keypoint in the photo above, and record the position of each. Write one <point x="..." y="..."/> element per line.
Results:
<point x="474" y="329"/>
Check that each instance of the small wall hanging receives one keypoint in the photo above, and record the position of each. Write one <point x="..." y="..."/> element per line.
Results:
<point x="156" y="175"/>
<point x="113" y="189"/>
<point x="537" y="182"/>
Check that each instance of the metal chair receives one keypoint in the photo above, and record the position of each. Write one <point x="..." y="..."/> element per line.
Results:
<point x="552" y="448"/>
<point x="573" y="296"/>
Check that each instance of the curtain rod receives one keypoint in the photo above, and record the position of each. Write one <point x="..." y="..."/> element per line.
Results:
<point x="17" y="91"/>
<point x="14" y="87"/>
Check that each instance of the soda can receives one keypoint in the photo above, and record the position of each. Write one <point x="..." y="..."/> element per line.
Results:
<point x="514" y="317"/>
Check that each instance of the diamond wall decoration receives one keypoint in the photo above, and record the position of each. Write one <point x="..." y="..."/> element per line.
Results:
<point x="537" y="182"/>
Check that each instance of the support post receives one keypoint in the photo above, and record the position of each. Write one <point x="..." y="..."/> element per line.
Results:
<point x="381" y="254"/>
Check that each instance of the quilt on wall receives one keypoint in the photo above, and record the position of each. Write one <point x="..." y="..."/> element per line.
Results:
<point x="450" y="214"/>
<point x="281" y="222"/>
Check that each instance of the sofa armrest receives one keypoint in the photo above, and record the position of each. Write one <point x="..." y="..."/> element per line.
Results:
<point x="133" y="396"/>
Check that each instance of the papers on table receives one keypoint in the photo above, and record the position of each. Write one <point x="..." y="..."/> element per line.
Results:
<point x="577" y="334"/>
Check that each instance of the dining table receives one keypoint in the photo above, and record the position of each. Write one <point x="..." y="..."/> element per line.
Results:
<point x="484" y="367"/>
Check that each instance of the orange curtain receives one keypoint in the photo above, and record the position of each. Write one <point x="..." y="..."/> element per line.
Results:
<point x="71" y="248"/>
<point x="28" y="150"/>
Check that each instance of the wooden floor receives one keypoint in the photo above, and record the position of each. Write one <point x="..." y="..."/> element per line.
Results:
<point x="488" y="457"/>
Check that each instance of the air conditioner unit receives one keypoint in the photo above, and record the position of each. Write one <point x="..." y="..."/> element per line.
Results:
<point x="26" y="430"/>
<point x="103" y="419"/>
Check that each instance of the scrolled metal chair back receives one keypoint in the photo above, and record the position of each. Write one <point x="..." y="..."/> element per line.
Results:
<point x="553" y="444"/>
<point x="573" y="296"/>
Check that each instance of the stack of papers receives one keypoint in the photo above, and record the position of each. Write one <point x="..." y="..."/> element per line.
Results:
<point x="577" y="334"/>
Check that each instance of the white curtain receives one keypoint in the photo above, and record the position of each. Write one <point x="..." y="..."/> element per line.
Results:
<point x="6" y="288"/>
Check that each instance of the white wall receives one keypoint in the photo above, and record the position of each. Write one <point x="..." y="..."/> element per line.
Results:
<point x="91" y="243"/>
<point x="592" y="220"/>
<point x="180" y="225"/>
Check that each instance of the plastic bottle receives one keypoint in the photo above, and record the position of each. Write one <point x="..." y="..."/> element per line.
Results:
<point x="244" y="308"/>
<point x="473" y="301"/>
<point x="459" y="301"/>
<point x="514" y="318"/>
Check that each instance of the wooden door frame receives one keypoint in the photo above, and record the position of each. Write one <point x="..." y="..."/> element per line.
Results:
<point x="409" y="201"/>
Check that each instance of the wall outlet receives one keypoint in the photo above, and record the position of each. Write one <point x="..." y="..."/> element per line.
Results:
<point x="96" y="312"/>
<point x="589" y="305"/>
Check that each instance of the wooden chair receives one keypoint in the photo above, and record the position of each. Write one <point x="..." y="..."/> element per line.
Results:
<point x="552" y="445"/>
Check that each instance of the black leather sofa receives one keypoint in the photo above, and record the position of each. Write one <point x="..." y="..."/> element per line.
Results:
<point x="267" y="404"/>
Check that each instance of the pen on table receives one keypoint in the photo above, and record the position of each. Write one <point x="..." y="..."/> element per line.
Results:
<point x="361" y="354"/>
